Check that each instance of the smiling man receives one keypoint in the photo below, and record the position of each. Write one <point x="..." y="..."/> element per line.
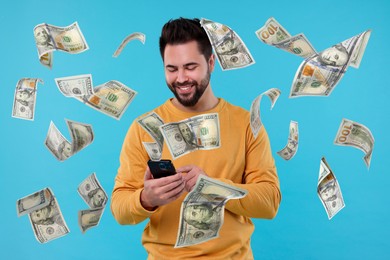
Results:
<point x="242" y="160"/>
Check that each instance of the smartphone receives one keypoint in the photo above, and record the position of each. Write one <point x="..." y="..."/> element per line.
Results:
<point x="162" y="168"/>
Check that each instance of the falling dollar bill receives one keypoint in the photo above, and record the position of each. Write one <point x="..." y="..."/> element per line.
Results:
<point x="74" y="86"/>
<point x="25" y="98"/>
<point x="231" y="51"/>
<point x="200" y="132"/>
<point x="45" y="215"/>
<point x="82" y="135"/>
<point x="353" y="134"/>
<point x="319" y="74"/>
<point x="151" y="122"/>
<point x="111" y="98"/>
<point x="291" y="148"/>
<point x="89" y="218"/>
<point x="361" y="45"/>
<point x="274" y="34"/>
<point x="202" y="211"/>
<point x="49" y="38"/>
<point x="139" y="36"/>
<point x="255" y="122"/>
<point x="328" y="190"/>
<point x="153" y="150"/>
<point x="30" y="203"/>
<point x="92" y="192"/>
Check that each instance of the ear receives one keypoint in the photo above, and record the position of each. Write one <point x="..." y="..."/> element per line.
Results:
<point x="212" y="62"/>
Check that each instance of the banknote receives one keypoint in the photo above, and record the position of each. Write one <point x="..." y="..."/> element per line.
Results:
<point x="89" y="218"/>
<point x="137" y="35"/>
<point x="231" y="51"/>
<point x="361" y="45"/>
<point x="274" y="34"/>
<point x="82" y="135"/>
<point x="25" y="98"/>
<point x="49" y="38"/>
<point x="291" y="148"/>
<point x="328" y="190"/>
<point x="80" y="85"/>
<point x="255" y="122"/>
<point x="92" y="192"/>
<point x="319" y="74"/>
<point x="200" y="132"/>
<point x="202" y="211"/>
<point x="47" y="220"/>
<point x="111" y="98"/>
<point x="153" y="150"/>
<point x="32" y="202"/>
<point x="353" y="134"/>
<point x="151" y="122"/>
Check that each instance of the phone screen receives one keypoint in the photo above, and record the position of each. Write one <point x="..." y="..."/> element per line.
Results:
<point x="162" y="168"/>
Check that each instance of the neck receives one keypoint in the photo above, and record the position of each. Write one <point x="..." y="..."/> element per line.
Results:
<point x="206" y="102"/>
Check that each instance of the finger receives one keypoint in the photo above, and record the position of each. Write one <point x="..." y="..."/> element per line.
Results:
<point x="185" y="168"/>
<point x="148" y="175"/>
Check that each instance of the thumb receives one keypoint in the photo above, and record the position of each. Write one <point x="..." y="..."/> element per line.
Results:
<point x="148" y="174"/>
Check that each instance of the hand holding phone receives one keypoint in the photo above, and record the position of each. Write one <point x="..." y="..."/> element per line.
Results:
<point x="162" y="168"/>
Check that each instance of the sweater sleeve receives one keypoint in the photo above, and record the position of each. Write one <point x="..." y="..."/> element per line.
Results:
<point x="126" y="206"/>
<point x="259" y="179"/>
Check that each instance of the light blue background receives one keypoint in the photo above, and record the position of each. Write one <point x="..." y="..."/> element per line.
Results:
<point x="301" y="229"/>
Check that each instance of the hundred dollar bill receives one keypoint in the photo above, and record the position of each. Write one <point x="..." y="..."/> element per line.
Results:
<point x="73" y="86"/>
<point x="48" y="222"/>
<point x="357" y="55"/>
<point x="328" y="190"/>
<point x="49" y="38"/>
<point x="231" y="51"/>
<point x="89" y="218"/>
<point x="353" y="134"/>
<point x="111" y="98"/>
<point x="202" y="211"/>
<point x="151" y="123"/>
<point x="196" y="133"/>
<point x="319" y="74"/>
<point x="255" y="122"/>
<point x="139" y="36"/>
<point x="32" y="202"/>
<point x="25" y="98"/>
<point x="82" y="135"/>
<point x="274" y="34"/>
<point x="153" y="150"/>
<point x="92" y="192"/>
<point x="291" y="148"/>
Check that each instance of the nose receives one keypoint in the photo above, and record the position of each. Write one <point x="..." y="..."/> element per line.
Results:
<point x="181" y="76"/>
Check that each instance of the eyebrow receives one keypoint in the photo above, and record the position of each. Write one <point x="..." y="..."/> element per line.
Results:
<point x="185" y="65"/>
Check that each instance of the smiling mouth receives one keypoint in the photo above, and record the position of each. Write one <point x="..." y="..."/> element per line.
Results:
<point x="184" y="89"/>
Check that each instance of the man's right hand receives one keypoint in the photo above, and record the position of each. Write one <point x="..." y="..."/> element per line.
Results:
<point x="158" y="192"/>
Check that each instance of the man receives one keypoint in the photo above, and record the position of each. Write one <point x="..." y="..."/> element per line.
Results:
<point x="42" y="38"/>
<point x="188" y="136"/>
<point x="336" y="55"/>
<point x="242" y="160"/>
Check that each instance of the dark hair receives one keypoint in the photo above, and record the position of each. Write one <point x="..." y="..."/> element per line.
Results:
<point x="183" y="30"/>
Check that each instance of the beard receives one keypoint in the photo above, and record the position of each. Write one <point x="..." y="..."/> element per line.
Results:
<point x="191" y="99"/>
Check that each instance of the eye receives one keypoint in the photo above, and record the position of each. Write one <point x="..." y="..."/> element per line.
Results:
<point x="336" y="57"/>
<point x="171" y="69"/>
<point x="192" y="67"/>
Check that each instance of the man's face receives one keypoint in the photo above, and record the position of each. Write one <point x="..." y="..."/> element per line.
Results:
<point x="41" y="214"/>
<point x="187" y="72"/>
<point x="186" y="132"/>
<point x="98" y="198"/>
<point x="22" y="95"/>
<point x="334" y="57"/>
<point x="67" y="151"/>
<point x="327" y="193"/>
<point x="199" y="213"/>
<point x="41" y="36"/>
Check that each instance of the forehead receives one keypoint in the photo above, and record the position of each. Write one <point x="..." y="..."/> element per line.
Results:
<point x="179" y="54"/>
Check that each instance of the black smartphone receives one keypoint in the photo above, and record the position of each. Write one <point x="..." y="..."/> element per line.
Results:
<point x="162" y="168"/>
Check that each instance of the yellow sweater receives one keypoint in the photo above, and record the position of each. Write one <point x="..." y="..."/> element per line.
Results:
<point x="241" y="161"/>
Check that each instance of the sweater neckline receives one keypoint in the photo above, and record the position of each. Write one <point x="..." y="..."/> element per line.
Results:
<point x="171" y="107"/>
